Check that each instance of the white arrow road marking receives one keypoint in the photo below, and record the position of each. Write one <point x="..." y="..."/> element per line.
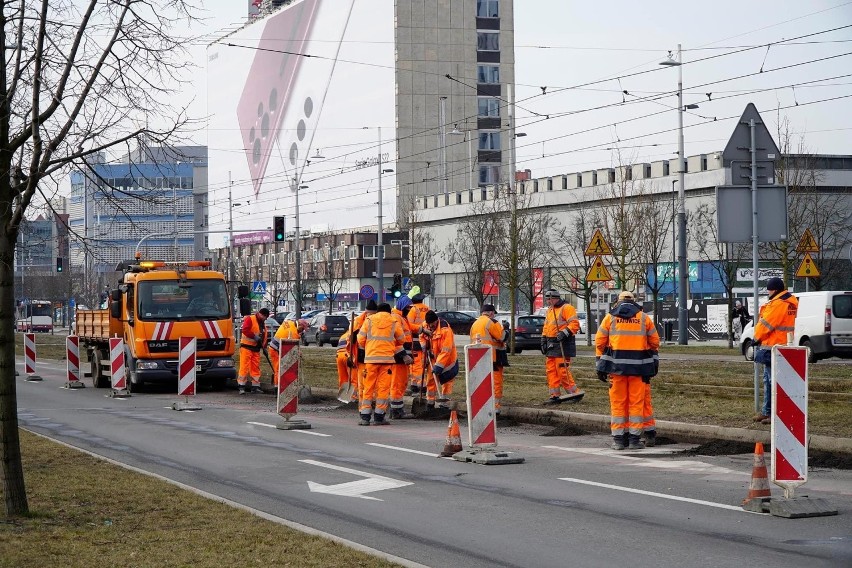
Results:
<point x="692" y="466"/>
<point x="354" y="488"/>
<point x="652" y="494"/>
<point x="299" y="431"/>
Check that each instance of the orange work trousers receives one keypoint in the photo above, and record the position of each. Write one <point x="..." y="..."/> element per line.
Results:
<point x="274" y="359"/>
<point x="558" y="375"/>
<point x="498" y="387"/>
<point x="376" y="387"/>
<point x="648" y="422"/>
<point x="249" y="366"/>
<point x="626" y="402"/>
<point x="415" y="370"/>
<point x="399" y="381"/>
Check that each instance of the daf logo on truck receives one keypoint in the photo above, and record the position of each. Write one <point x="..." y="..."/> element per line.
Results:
<point x="154" y="305"/>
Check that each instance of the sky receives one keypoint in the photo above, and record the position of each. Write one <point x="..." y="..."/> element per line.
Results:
<point x="608" y="101"/>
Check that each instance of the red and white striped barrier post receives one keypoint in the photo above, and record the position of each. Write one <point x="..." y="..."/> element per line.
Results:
<point x="186" y="373"/>
<point x="289" y="360"/>
<point x="482" y="418"/>
<point x="72" y="362"/>
<point x="790" y="433"/>
<point x="118" y="368"/>
<point x="30" y="357"/>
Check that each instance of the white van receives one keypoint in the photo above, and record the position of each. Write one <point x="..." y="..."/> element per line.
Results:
<point x="823" y="323"/>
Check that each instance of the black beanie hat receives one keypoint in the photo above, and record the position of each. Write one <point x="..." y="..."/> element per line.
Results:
<point x="431" y="317"/>
<point x="384" y="307"/>
<point x="371" y="306"/>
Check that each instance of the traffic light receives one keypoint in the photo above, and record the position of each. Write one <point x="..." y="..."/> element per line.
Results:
<point x="279" y="226"/>
<point x="396" y="289"/>
<point x="59" y="264"/>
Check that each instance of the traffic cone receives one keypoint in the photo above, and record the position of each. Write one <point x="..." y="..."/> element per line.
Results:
<point x="453" y="445"/>
<point x="758" y="489"/>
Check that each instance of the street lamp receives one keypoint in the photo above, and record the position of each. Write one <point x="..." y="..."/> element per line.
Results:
<point x="682" y="325"/>
<point x="465" y="133"/>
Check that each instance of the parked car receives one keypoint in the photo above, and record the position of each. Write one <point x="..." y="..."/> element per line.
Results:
<point x="823" y="323"/>
<point x="459" y="322"/>
<point x="280" y="316"/>
<point x="528" y="332"/>
<point x="305" y="315"/>
<point x="325" y="328"/>
<point x="271" y="326"/>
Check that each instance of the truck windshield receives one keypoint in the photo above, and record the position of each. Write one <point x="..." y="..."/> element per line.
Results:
<point x="166" y="300"/>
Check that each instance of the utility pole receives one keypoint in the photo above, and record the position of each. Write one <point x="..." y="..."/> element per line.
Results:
<point x="380" y="269"/>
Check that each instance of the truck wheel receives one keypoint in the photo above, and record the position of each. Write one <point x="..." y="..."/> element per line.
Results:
<point x="319" y="341"/>
<point x="134" y="385"/>
<point x="812" y="358"/>
<point x="99" y="381"/>
<point x="748" y="350"/>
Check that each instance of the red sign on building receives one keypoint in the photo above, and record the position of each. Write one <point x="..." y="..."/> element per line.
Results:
<point x="491" y="283"/>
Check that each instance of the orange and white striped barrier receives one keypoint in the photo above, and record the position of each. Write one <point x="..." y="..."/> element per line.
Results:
<point x="30" y="357"/>
<point x="186" y="373"/>
<point x="287" y="401"/>
<point x="482" y="418"/>
<point x="72" y="362"/>
<point x="118" y="368"/>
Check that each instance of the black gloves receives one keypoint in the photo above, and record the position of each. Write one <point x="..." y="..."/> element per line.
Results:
<point x="563" y="335"/>
<point x="646" y="380"/>
<point x="544" y="346"/>
<point x="603" y="377"/>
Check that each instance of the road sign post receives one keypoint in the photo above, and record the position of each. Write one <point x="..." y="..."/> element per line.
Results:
<point x="808" y="268"/>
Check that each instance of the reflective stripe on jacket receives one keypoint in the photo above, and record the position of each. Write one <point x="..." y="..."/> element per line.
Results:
<point x="633" y="342"/>
<point x="488" y="332"/>
<point x="253" y="333"/>
<point x="777" y="319"/>
<point x="559" y="317"/>
<point x="416" y="319"/>
<point x="381" y="338"/>
<point x="442" y="344"/>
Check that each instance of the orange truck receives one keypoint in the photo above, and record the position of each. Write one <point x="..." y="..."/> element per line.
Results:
<point x="154" y="305"/>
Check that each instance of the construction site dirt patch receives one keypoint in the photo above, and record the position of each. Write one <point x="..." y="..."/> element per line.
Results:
<point x="566" y="430"/>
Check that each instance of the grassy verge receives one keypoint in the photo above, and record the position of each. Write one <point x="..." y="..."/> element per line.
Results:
<point x="143" y="522"/>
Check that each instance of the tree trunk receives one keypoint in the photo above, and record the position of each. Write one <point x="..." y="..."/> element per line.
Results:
<point x="10" y="444"/>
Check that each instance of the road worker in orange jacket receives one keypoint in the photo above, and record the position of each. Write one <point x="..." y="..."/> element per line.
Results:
<point x="416" y="319"/>
<point x="289" y="331"/>
<point x="626" y="346"/>
<point x="400" y="370"/>
<point x="559" y="345"/>
<point x="382" y="338"/>
<point x="252" y="340"/>
<point x="439" y="344"/>
<point x="360" y="369"/>
<point x="488" y="331"/>
<point x="777" y="318"/>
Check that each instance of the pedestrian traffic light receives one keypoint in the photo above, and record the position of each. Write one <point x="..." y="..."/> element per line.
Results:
<point x="59" y="264"/>
<point x="279" y="226"/>
<point x="396" y="289"/>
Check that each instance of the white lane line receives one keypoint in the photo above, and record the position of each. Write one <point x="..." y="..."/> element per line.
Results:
<point x="691" y="466"/>
<point x="299" y="431"/>
<point x="653" y="494"/>
<point x="431" y="455"/>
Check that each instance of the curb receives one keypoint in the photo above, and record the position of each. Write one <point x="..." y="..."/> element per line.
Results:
<point x="682" y="430"/>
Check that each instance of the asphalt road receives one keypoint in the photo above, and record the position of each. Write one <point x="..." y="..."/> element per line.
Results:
<point x="573" y="502"/>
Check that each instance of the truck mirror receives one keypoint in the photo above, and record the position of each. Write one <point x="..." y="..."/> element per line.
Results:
<point x="115" y="309"/>
<point x="243" y="292"/>
<point x="115" y="295"/>
<point x="245" y="307"/>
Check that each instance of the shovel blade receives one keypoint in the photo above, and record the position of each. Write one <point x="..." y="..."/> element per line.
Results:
<point x="345" y="393"/>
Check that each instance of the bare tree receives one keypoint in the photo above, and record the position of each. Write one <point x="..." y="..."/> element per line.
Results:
<point x="330" y="273"/>
<point x="81" y="78"/>
<point x="473" y="249"/>
<point x="621" y="211"/>
<point x="654" y="223"/>
<point x="422" y="248"/>
<point x="570" y="266"/>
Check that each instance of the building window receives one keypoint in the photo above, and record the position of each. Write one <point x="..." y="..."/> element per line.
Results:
<point x="487" y="8"/>
<point x="489" y="74"/>
<point x="488" y="107"/>
<point x="370" y="251"/>
<point x="352" y="252"/>
<point x="489" y="175"/>
<point x="487" y="41"/>
<point x="489" y="140"/>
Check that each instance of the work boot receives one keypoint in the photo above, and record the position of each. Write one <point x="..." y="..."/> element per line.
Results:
<point x="759" y="418"/>
<point x="617" y="443"/>
<point x="650" y="438"/>
<point x="554" y="400"/>
<point x="379" y="420"/>
<point x="443" y="403"/>
<point x="395" y="413"/>
<point x="365" y="420"/>
<point x="635" y="442"/>
<point x="241" y="390"/>
<point x="256" y="390"/>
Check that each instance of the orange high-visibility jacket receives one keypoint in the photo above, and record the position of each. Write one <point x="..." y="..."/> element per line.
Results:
<point x="488" y="332"/>
<point x="343" y="343"/>
<point x="253" y="333"/>
<point x="288" y="330"/>
<point x="403" y="323"/>
<point x="442" y="344"/>
<point x="381" y="338"/>
<point x="416" y="318"/>
<point x="561" y="316"/>
<point x="634" y="341"/>
<point x="777" y="319"/>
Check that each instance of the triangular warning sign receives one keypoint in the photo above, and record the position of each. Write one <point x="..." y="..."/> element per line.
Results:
<point x="807" y="269"/>
<point x="598" y="245"/>
<point x="598" y="272"/>
<point x="807" y="243"/>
